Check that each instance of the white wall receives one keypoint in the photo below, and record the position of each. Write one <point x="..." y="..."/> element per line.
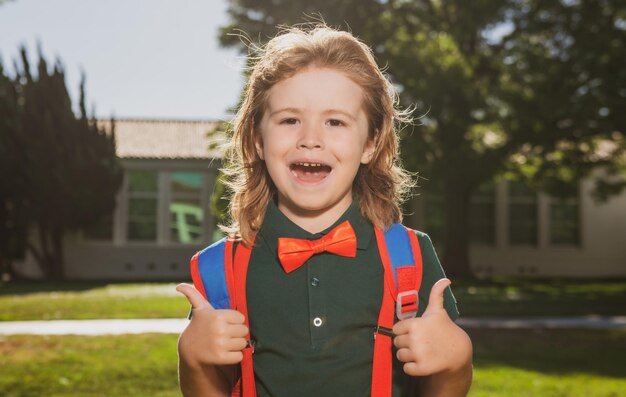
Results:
<point x="120" y="259"/>
<point x="601" y="253"/>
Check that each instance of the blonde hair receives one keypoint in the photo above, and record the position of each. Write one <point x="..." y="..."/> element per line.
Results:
<point x="379" y="186"/>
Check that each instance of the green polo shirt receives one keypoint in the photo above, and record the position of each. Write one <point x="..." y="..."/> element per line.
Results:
<point x="314" y="326"/>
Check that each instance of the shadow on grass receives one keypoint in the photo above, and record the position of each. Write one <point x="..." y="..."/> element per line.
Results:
<point x="557" y="352"/>
<point x="540" y="297"/>
<point x="29" y="287"/>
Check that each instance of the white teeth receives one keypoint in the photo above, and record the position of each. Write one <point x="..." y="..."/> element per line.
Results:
<point x="309" y="164"/>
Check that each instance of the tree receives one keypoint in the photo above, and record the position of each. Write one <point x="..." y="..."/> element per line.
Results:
<point x="12" y="188"/>
<point x="69" y="170"/>
<point x="572" y="66"/>
<point x="525" y="87"/>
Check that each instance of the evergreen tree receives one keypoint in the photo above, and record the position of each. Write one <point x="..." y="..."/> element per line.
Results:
<point x="71" y="171"/>
<point x="13" y="222"/>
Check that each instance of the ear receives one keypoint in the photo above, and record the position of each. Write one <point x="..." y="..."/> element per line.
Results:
<point x="368" y="150"/>
<point x="258" y="144"/>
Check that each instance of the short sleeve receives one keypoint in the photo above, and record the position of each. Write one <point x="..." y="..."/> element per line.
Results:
<point x="431" y="273"/>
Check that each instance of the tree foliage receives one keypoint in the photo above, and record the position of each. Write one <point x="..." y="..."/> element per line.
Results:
<point x="12" y="186"/>
<point x="62" y="173"/>
<point x="530" y="89"/>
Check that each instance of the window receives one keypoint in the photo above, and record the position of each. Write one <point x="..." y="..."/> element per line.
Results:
<point x="482" y="216"/>
<point x="142" y="205"/>
<point x="564" y="221"/>
<point x="186" y="210"/>
<point x="522" y="215"/>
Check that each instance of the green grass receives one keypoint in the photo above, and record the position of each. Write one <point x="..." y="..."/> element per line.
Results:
<point x="555" y="363"/>
<point x="64" y="366"/>
<point x="512" y="363"/>
<point x="528" y="297"/>
<point x="500" y="297"/>
<point x="44" y="301"/>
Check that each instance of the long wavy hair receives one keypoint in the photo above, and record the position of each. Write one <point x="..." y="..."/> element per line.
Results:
<point x="380" y="186"/>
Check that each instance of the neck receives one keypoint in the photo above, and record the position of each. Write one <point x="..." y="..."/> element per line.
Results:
<point x="313" y="221"/>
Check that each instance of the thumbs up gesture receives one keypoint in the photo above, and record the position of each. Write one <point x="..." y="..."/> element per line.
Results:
<point x="214" y="337"/>
<point x="432" y="343"/>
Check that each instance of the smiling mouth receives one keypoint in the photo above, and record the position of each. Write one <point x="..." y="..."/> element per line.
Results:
<point x="310" y="172"/>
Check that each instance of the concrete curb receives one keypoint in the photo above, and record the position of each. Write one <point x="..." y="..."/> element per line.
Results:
<point x="175" y="326"/>
<point x="93" y="327"/>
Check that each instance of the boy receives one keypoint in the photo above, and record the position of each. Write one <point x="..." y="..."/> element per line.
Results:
<point x="315" y="162"/>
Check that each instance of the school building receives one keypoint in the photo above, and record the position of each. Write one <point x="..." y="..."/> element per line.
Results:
<point x="163" y="217"/>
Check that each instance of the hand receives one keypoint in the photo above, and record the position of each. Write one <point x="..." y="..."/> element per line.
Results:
<point x="432" y="343"/>
<point x="214" y="337"/>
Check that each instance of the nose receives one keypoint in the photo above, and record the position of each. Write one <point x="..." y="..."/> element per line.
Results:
<point x="310" y="137"/>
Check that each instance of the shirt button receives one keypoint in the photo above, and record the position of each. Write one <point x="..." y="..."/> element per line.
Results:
<point x="315" y="281"/>
<point x="317" y="322"/>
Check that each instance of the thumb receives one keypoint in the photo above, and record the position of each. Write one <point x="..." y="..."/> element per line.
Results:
<point x="193" y="296"/>
<point x="435" y="301"/>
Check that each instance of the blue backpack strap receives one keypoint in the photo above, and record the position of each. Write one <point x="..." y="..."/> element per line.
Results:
<point x="399" y="248"/>
<point x="210" y="273"/>
<point x="406" y="263"/>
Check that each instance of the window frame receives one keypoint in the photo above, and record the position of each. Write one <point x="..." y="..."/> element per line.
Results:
<point x="156" y="195"/>
<point x="526" y="200"/>
<point x="204" y="198"/>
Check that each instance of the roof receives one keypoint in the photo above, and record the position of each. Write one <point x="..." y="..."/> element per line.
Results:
<point x="165" y="139"/>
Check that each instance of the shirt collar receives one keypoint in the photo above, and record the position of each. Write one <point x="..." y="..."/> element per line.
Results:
<point x="276" y="225"/>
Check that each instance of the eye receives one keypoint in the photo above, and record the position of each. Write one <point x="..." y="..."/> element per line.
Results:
<point x="289" y="121"/>
<point x="336" y="123"/>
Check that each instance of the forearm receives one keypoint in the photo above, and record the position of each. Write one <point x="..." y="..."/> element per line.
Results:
<point x="457" y="379"/>
<point x="198" y="379"/>
<point x="206" y="380"/>
<point x="209" y="348"/>
<point x="447" y="384"/>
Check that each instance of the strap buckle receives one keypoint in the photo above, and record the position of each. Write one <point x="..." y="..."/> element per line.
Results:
<point x="251" y="344"/>
<point x="406" y="304"/>
<point x="383" y="331"/>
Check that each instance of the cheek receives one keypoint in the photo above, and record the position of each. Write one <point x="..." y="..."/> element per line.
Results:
<point x="265" y="145"/>
<point x="363" y="149"/>
<point x="277" y="143"/>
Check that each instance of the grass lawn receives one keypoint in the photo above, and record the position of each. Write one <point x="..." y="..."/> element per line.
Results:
<point x="543" y="297"/>
<point x="82" y="300"/>
<point x="133" y="365"/>
<point x="550" y="363"/>
<point x="555" y="363"/>
<point x="499" y="297"/>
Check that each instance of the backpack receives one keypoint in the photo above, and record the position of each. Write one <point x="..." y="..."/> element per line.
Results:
<point x="221" y="278"/>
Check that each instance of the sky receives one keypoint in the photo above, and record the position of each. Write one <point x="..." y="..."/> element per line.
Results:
<point x="142" y="58"/>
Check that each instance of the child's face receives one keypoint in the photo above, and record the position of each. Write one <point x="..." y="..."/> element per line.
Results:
<point x="313" y="137"/>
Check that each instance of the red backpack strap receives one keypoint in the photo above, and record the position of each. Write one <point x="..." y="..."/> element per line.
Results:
<point x="403" y="277"/>
<point x="222" y="281"/>
<point x="245" y="387"/>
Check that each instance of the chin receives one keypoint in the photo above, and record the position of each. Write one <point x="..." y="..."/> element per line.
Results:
<point x="308" y="206"/>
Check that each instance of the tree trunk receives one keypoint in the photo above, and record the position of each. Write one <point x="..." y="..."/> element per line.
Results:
<point x="58" y="271"/>
<point x="50" y="259"/>
<point x="456" y="249"/>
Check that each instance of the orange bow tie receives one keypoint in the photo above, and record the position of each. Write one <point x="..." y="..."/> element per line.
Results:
<point x="293" y="252"/>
